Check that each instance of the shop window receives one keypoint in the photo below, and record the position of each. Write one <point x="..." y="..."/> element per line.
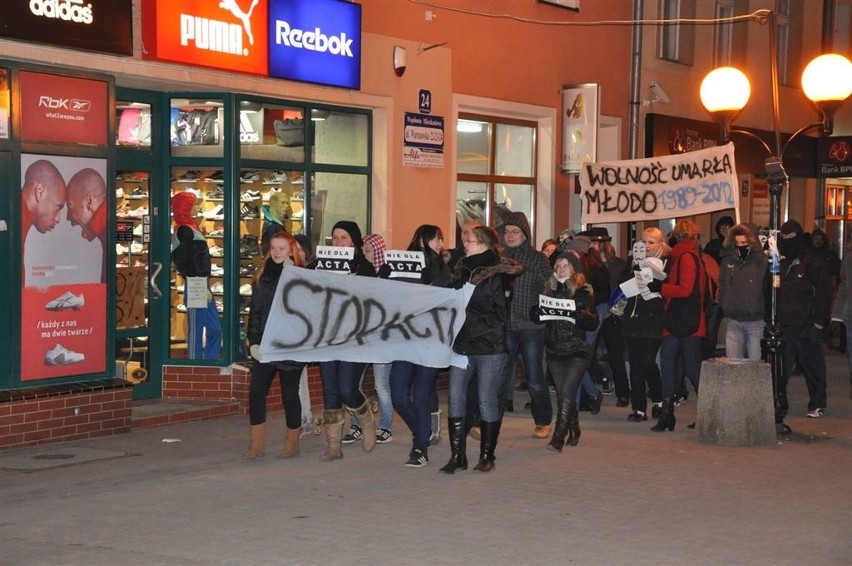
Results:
<point x="133" y="124"/>
<point x="196" y="127"/>
<point x="496" y="172"/>
<point x="341" y="138"/>
<point x="335" y="197"/>
<point x="272" y="132"/>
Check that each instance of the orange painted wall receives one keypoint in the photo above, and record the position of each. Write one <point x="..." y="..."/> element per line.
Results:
<point x="488" y="57"/>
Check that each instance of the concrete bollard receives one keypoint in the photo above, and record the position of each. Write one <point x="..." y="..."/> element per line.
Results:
<point x="735" y="403"/>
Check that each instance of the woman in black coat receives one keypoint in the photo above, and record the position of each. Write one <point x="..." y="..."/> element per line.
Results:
<point x="568" y="350"/>
<point x="283" y="250"/>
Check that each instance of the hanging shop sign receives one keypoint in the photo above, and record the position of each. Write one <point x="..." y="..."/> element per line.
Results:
<point x="222" y="34"/>
<point x="63" y="109"/>
<point x="834" y="157"/>
<point x="315" y="41"/>
<point x="63" y="253"/>
<point x="423" y="141"/>
<point x="580" y="116"/>
<point x="95" y="25"/>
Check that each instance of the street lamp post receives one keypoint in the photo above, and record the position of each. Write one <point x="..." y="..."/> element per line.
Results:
<point x="827" y="82"/>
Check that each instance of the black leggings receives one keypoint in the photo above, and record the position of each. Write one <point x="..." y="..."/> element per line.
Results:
<point x="644" y="371"/>
<point x="567" y="373"/>
<point x="261" y="379"/>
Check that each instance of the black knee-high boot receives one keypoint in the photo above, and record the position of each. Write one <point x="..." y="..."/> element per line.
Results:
<point x="487" y="445"/>
<point x="573" y="427"/>
<point x="560" y="429"/>
<point x="667" y="420"/>
<point x="457" y="431"/>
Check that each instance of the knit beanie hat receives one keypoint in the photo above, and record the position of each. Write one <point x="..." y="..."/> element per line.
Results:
<point x="573" y="259"/>
<point x="578" y="244"/>
<point x="354" y="232"/>
<point x="378" y="243"/>
<point x="518" y="219"/>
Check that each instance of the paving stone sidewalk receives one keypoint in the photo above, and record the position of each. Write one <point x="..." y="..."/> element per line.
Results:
<point x="181" y="495"/>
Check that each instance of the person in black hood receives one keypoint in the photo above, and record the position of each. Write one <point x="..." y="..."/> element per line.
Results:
<point x="714" y="246"/>
<point x="804" y="308"/>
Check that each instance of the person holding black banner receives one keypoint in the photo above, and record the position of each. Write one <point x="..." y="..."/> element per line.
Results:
<point x="283" y="250"/>
<point x="482" y="339"/>
<point x="568" y="350"/>
<point x="340" y="379"/>
<point x="413" y="385"/>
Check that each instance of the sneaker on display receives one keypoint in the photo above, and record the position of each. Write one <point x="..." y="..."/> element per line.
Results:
<point x="217" y="233"/>
<point x="250" y="196"/>
<point x="137" y="194"/>
<point x="119" y="193"/>
<point x="215" y="213"/>
<point x="216" y="194"/>
<point x="137" y="230"/>
<point x="216" y="176"/>
<point x="217" y="270"/>
<point x="121" y="249"/>
<point x="136" y="247"/>
<point x="190" y="176"/>
<point x="138" y="212"/>
<point x="181" y="307"/>
<point x="67" y="300"/>
<point x="249" y="212"/>
<point x="217" y="251"/>
<point x="417" y="459"/>
<point x="61" y="356"/>
<point x="250" y="176"/>
<point x="245" y="289"/>
<point x="217" y="288"/>
<point x="354" y="435"/>
<point x="276" y="177"/>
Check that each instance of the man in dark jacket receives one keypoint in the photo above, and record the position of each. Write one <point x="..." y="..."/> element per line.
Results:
<point x="525" y="335"/>
<point x="804" y="308"/>
<point x="714" y="246"/>
<point x="741" y="292"/>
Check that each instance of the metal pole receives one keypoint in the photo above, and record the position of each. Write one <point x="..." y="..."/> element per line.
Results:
<point x="778" y="181"/>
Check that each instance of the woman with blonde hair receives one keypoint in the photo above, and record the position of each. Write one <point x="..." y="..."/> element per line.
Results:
<point x="642" y="328"/>
<point x="283" y="250"/>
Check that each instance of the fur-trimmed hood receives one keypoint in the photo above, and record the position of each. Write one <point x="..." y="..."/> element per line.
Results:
<point x="475" y="269"/>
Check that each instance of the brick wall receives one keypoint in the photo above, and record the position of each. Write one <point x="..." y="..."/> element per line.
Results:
<point x="75" y="411"/>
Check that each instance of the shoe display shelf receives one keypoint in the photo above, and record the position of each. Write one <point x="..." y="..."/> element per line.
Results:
<point x="131" y="205"/>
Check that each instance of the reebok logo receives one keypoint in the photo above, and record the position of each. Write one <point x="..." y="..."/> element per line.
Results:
<point x="314" y="40"/>
<point x="70" y="104"/>
<point x="69" y="10"/>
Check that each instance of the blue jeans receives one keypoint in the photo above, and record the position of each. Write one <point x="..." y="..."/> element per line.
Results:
<point x="587" y="384"/>
<point x="407" y="378"/>
<point x="530" y="344"/>
<point x="340" y="382"/>
<point x="488" y="371"/>
<point x="381" y="376"/>
<point x="690" y="349"/>
<point x="203" y="333"/>
<point x="742" y="339"/>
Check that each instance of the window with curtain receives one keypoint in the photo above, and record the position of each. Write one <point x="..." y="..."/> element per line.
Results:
<point x="676" y="42"/>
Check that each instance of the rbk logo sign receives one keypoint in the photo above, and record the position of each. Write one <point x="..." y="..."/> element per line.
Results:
<point x="70" y="104"/>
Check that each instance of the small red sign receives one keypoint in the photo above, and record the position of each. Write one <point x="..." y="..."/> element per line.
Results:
<point x="62" y="109"/>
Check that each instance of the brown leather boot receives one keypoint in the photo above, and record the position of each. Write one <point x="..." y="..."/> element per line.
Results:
<point x="367" y="421"/>
<point x="332" y="422"/>
<point x="258" y="442"/>
<point x="291" y="443"/>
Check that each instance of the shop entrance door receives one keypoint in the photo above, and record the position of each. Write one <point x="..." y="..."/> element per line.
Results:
<point x="139" y="277"/>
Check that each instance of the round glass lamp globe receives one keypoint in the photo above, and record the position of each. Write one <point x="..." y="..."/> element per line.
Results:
<point x="725" y="88"/>
<point x="828" y="78"/>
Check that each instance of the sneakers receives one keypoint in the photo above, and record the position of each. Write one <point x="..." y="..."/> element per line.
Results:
<point x="353" y="436"/>
<point x="276" y="177"/>
<point x="249" y="212"/>
<point x="249" y="196"/>
<point x="249" y="177"/>
<point x="61" y="356"/>
<point x="216" y="288"/>
<point x="245" y="289"/>
<point x="816" y="413"/>
<point x="215" y="213"/>
<point x="637" y="417"/>
<point x="67" y="300"/>
<point x="383" y="436"/>
<point x="217" y="251"/>
<point x="217" y="270"/>
<point x="417" y="459"/>
<point x="542" y="431"/>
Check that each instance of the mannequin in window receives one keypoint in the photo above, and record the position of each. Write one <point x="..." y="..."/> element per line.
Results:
<point x="276" y="217"/>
